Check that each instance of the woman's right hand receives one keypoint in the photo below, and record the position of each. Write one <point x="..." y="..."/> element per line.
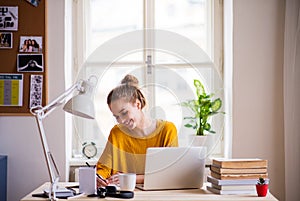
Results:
<point x="114" y="179"/>
<point x="101" y="182"/>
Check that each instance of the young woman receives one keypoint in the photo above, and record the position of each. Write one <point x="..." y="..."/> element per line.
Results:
<point x="135" y="132"/>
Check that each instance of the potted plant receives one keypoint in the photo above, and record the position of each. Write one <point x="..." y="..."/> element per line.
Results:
<point x="261" y="187"/>
<point x="203" y="107"/>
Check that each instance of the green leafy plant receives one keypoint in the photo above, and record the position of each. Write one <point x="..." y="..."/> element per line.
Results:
<point x="261" y="181"/>
<point x="203" y="108"/>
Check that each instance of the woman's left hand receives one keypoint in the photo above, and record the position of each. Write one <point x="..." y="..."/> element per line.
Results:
<point x="140" y="179"/>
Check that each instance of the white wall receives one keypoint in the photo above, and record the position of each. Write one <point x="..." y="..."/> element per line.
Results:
<point x="258" y="85"/>
<point x="257" y="99"/>
<point x="19" y="138"/>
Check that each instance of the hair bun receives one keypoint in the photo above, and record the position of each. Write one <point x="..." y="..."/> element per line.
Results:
<point x="130" y="80"/>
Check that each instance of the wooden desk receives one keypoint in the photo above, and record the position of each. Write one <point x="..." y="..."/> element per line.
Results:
<point x="173" y="195"/>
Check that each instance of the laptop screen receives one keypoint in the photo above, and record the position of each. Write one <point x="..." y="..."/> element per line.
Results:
<point x="174" y="168"/>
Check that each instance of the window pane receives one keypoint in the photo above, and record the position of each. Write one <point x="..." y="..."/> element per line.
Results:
<point x="177" y="87"/>
<point x="108" y="19"/>
<point x="188" y="18"/>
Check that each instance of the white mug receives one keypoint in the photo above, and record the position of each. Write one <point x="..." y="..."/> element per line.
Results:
<point x="127" y="181"/>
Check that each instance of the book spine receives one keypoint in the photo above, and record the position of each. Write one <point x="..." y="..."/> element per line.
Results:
<point x="238" y="176"/>
<point x="231" y="182"/>
<point x="234" y="187"/>
<point x="230" y="192"/>
<point x="240" y="164"/>
<point x="237" y="170"/>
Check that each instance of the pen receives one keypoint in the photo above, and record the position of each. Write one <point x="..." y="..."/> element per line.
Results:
<point x="99" y="176"/>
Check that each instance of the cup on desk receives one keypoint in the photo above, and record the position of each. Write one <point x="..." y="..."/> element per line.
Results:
<point x="127" y="181"/>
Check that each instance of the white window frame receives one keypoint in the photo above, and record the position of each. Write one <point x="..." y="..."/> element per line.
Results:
<point x="79" y="45"/>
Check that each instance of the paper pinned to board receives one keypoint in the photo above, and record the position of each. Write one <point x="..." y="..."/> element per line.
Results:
<point x="34" y="2"/>
<point x="11" y="89"/>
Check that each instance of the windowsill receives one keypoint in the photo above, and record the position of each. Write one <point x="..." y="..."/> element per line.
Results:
<point x="82" y="161"/>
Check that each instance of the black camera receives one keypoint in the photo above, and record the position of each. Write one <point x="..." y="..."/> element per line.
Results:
<point x="111" y="191"/>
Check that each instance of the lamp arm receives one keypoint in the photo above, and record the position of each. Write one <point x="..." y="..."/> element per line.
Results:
<point x="46" y="110"/>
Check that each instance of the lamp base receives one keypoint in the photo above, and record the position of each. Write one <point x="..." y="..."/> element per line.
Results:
<point x="61" y="193"/>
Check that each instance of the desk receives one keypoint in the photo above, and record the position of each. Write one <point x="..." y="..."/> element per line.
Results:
<point x="173" y="195"/>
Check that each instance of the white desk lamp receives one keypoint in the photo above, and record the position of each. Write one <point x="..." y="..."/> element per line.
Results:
<point x="80" y="105"/>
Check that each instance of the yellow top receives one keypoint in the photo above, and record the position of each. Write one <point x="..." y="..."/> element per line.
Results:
<point x="125" y="153"/>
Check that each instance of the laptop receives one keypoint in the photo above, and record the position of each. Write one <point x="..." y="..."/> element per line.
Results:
<point x="169" y="168"/>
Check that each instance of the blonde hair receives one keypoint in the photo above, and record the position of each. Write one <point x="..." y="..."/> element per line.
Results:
<point x="128" y="90"/>
<point x="130" y="80"/>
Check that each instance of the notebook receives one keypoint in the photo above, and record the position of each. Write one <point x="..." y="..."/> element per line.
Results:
<point x="174" y="168"/>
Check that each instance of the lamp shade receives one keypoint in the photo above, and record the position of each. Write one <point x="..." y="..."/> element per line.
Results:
<point x="81" y="105"/>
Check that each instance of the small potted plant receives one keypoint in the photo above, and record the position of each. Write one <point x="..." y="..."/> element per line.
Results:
<point x="203" y="107"/>
<point x="261" y="187"/>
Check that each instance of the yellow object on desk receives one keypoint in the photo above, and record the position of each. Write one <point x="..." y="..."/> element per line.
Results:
<point x="165" y="195"/>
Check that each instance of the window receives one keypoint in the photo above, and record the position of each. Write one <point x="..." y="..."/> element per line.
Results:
<point x="165" y="43"/>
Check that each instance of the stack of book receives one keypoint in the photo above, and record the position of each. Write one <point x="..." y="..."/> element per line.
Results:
<point x="236" y="176"/>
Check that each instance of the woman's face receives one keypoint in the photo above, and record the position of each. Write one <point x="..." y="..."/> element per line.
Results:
<point x="126" y="113"/>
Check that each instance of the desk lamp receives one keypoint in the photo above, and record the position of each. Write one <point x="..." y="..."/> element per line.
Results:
<point x="79" y="105"/>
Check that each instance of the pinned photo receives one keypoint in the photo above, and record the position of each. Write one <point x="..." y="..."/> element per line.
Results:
<point x="30" y="63"/>
<point x="36" y="90"/>
<point x="9" y="18"/>
<point x="31" y="44"/>
<point x="5" y="40"/>
<point x="34" y="2"/>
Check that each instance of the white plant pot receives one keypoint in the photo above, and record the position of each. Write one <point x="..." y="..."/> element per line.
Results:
<point x="207" y="141"/>
<point x="197" y="140"/>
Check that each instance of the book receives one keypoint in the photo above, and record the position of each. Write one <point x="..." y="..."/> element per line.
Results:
<point x="234" y="187"/>
<point x="232" y="181"/>
<point x="240" y="163"/>
<point x="238" y="176"/>
<point x="230" y="192"/>
<point x="61" y="193"/>
<point x="220" y="170"/>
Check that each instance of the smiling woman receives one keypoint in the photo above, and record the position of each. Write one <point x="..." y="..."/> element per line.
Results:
<point x="135" y="132"/>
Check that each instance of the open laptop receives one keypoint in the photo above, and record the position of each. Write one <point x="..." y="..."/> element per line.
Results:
<point x="174" y="168"/>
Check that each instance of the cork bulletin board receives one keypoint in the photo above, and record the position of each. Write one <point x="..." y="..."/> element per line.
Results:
<point x="23" y="66"/>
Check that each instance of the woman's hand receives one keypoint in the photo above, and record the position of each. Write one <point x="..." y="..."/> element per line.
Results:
<point x="140" y="179"/>
<point x="114" y="179"/>
<point x="101" y="182"/>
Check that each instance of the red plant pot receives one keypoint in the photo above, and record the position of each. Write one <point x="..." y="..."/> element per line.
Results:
<point x="262" y="190"/>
